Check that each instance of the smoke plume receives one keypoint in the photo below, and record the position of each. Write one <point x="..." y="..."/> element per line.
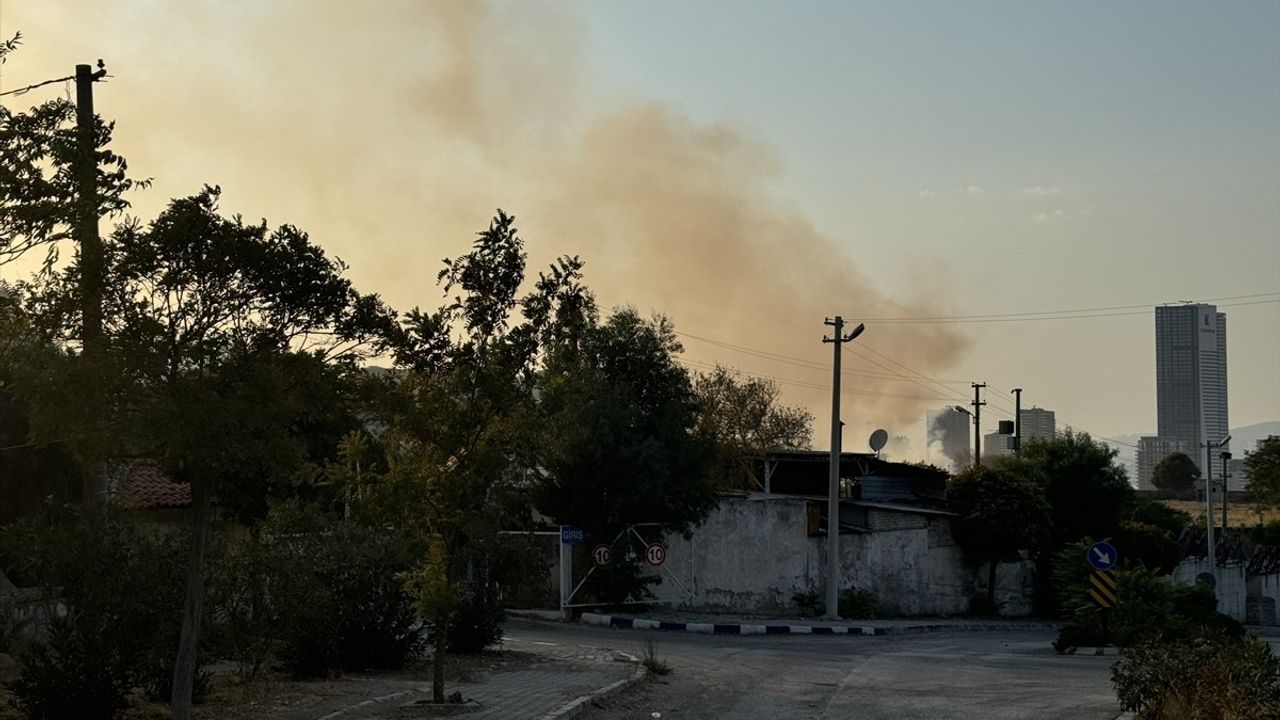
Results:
<point x="392" y="130"/>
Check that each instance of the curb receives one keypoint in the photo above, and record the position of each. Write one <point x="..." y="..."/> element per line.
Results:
<point x="628" y="623"/>
<point x="576" y="705"/>
<point x="1091" y="650"/>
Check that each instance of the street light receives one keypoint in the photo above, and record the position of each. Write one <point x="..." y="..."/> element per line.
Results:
<point x="962" y="409"/>
<point x="1209" y="445"/>
<point x="833" y="487"/>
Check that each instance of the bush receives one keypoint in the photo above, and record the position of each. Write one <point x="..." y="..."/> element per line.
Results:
<point x="320" y="594"/>
<point x="77" y="673"/>
<point x="1148" y="546"/>
<point x="855" y="604"/>
<point x="122" y="591"/>
<point x="808" y="603"/>
<point x="1155" y="513"/>
<point x="476" y="623"/>
<point x="1208" y="676"/>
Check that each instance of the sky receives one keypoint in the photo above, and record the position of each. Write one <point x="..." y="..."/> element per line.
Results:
<point x="750" y="169"/>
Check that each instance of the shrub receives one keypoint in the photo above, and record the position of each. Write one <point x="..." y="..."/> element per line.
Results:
<point x="77" y="673"/>
<point x="1148" y="546"/>
<point x="1208" y="676"/>
<point x="122" y="591"/>
<point x="855" y="604"/>
<point x="1155" y="513"/>
<point x="476" y="623"/>
<point x="808" y="603"/>
<point x="320" y="594"/>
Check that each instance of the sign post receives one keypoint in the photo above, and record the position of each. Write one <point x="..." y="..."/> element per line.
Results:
<point x="1102" y="586"/>
<point x="569" y="536"/>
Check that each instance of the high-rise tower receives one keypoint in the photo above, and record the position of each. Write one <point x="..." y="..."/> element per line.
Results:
<point x="1191" y="376"/>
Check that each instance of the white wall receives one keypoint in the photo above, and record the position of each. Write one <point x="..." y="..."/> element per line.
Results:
<point x="751" y="555"/>
<point x="1231" y="588"/>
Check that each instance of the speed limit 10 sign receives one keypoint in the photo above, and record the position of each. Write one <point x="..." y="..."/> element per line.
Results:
<point x="655" y="554"/>
<point x="602" y="554"/>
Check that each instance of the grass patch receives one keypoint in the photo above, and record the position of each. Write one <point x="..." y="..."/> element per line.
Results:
<point x="650" y="660"/>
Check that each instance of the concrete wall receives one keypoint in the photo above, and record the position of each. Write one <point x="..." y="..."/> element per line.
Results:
<point x="1263" y="602"/>
<point x="1231" y="588"/>
<point x="752" y="555"/>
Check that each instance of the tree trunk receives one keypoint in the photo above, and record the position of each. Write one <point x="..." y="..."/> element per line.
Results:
<point x="991" y="584"/>
<point x="437" y="663"/>
<point x="184" y="667"/>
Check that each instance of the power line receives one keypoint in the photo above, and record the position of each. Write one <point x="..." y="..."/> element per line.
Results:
<point x="806" y="384"/>
<point x="1070" y="314"/>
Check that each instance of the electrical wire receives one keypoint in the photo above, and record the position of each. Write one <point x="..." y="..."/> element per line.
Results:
<point x="1072" y="314"/>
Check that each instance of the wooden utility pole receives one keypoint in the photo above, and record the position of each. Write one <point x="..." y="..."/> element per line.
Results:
<point x="833" y="486"/>
<point x="86" y="215"/>
<point x="977" y="422"/>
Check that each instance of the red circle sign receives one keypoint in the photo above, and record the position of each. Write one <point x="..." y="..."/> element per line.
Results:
<point x="602" y="554"/>
<point x="655" y="554"/>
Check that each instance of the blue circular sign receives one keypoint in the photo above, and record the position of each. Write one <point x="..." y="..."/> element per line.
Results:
<point x="1102" y="556"/>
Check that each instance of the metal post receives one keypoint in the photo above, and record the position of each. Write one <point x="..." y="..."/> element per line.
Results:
<point x="1017" y="419"/>
<point x="1208" y="503"/>
<point x="1225" y="491"/>
<point x="977" y="423"/>
<point x="566" y="575"/>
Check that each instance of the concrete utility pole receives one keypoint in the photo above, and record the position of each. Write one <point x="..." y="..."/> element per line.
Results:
<point x="1208" y="505"/>
<point x="86" y="221"/>
<point x="833" y="486"/>
<point x="1225" y="490"/>
<point x="1017" y="419"/>
<point x="977" y="422"/>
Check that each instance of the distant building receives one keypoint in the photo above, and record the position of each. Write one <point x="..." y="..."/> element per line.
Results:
<point x="1191" y="377"/>
<point x="949" y="434"/>
<point x="996" y="445"/>
<point x="1037" y="423"/>
<point x="1151" y="450"/>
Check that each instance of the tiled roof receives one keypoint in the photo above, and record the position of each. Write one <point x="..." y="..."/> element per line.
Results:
<point x="141" y="486"/>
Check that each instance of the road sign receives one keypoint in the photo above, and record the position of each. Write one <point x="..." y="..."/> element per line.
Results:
<point x="1102" y="556"/>
<point x="655" y="554"/>
<point x="570" y="535"/>
<point x="602" y="555"/>
<point x="1102" y="588"/>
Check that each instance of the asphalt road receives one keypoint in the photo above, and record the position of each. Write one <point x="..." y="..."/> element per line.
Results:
<point x="1004" y="675"/>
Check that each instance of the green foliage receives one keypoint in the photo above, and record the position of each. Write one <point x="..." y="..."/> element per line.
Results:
<point x="744" y="419"/>
<point x="808" y="603"/>
<point x="322" y="595"/>
<point x="619" y="445"/>
<point x="1149" y="607"/>
<point x="1086" y="488"/>
<point x="120" y="626"/>
<point x="1141" y="545"/>
<point x="1175" y="472"/>
<point x="1144" y="510"/>
<point x="1000" y="512"/>
<point x="476" y="621"/>
<point x="1263" y="468"/>
<point x="1267" y="533"/>
<point x="855" y="604"/>
<point x="76" y="674"/>
<point x="1204" y="677"/>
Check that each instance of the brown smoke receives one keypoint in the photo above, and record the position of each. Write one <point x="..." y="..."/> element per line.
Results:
<point x="392" y="130"/>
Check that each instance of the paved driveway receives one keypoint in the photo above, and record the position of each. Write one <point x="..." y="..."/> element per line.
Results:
<point x="1004" y="675"/>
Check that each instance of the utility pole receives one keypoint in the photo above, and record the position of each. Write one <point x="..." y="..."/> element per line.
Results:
<point x="977" y="422"/>
<point x="1225" y="490"/>
<point x="1208" y="505"/>
<point x="1017" y="419"/>
<point x="833" y="485"/>
<point x="86" y="220"/>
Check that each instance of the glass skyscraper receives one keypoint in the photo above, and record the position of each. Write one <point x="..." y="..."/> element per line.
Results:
<point x="1191" y="377"/>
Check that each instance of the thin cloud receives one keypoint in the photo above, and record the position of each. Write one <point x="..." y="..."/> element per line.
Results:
<point x="973" y="190"/>
<point x="1040" y="191"/>
<point x="927" y="193"/>
<point x="1044" y="218"/>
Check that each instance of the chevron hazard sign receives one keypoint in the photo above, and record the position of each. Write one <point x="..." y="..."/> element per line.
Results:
<point x="1102" y="588"/>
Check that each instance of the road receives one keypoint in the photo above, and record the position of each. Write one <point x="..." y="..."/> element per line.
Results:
<point x="1004" y="675"/>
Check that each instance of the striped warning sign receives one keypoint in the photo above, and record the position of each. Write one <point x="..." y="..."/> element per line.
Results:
<point x="1102" y="588"/>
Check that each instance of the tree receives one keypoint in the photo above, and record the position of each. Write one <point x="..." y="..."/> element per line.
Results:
<point x="1000" y="513"/>
<point x="1086" y="488"/>
<point x="619" y="444"/>
<point x="1175" y="471"/>
<point x="454" y="437"/>
<point x="744" y="418"/>
<point x="1262" y="466"/>
<point x="217" y="333"/>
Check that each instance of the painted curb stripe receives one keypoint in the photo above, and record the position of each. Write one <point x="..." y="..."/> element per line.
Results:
<point x="1102" y="588"/>
<point x="727" y="629"/>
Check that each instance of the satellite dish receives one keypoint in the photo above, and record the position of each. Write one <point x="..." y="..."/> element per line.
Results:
<point x="878" y="439"/>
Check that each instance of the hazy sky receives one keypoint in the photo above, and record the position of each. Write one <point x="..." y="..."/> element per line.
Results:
<point x="749" y="168"/>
